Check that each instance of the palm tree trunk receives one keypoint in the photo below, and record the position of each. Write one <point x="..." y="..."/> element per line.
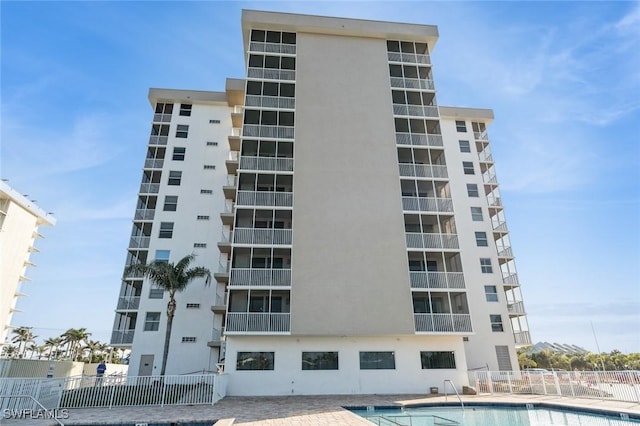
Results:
<point x="171" y="310"/>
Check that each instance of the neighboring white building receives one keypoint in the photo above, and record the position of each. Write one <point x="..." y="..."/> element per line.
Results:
<point x="362" y="245"/>
<point x="20" y="219"/>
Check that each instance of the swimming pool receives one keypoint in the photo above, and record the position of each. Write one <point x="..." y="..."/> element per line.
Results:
<point x="494" y="415"/>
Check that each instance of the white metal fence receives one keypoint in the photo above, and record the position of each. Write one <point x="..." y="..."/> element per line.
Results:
<point x="113" y="391"/>
<point x="612" y="385"/>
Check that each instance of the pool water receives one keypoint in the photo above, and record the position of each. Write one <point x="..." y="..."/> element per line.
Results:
<point x="490" y="416"/>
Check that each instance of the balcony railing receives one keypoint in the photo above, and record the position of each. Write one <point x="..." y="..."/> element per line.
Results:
<point x="412" y="83"/>
<point x="266" y="163"/>
<point x="262" y="236"/>
<point x="158" y="140"/>
<point x="427" y="204"/>
<point x="443" y="323"/>
<point x="408" y="57"/>
<point x="511" y="279"/>
<point x="485" y="156"/>
<point x="271" y="74"/>
<point x="481" y="136"/>
<point x="431" y="241"/>
<point x="516" y="308"/>
<point x="151" y="163"/>
<point x="161" y="118"/>
<point x="500" y="227"/>
<point x="494" y="201"/>
<point x="506" y="252"/>
<point x="257" y="277"/>
<point x="423" y="170"/>
<point x="428" y="279"/>
<point x="149" y="188"/>
<point x="522" y="338"/>
<point x="490" y="178"/>
<point x="256" y="46"/>
<point x="418" y="139"/>
<point x="128" y="302"/>
<point x="119" y="337"/>
<point x="270" y="102"/>
<point x="144" y="214"/>
<point x="264" y="198"/>
<point x="139" y="242"/>
<point x="258" y="322"/>
<point x="255" y="130"/>
<point x="415" y="110"/>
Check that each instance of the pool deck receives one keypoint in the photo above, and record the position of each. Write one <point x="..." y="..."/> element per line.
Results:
<point x="302" y="410"/>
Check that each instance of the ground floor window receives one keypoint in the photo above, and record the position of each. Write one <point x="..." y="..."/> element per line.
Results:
<point x="319" y="360"/>
<point x="377" y="361"/>
<point x="433" y="360"/>
<point x="254" y="361"/>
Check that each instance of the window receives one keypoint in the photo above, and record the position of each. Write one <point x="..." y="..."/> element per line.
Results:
<point x="491" y="293"/>
<point x="185" y="110"/>
<point x="377" y="361"/>
<point x="209" y="143"/>
<point x="162" y="255"/>
<point x="206" y="191"/>
<point x="209" y="167"/>
<point x="472" y="190"/>
<point x="193" y="306"/>
<point x="214" y="121"/>
<point x="435" y="360"/>
<point x="496" y="323"/>
<point x="199" y="245"/>
<point x="164" y="108"/>
<point x="166" y="230"/>
<point x="485" y="265"/>
<point x="476" y="214"/>
<point x="189" y="339"/>
<point x="178" y="153"/>
<point x="467" y="166"/>
<point x="203" y="217"/>
<point x="319" y="360"/>
<point x="464" y="146"/>
<point x="170" y="203"/>
<point x="461" y="126"/>
<point x="152" y="321"/>
<point x="254" y="361"/>
<point x="156" y="293"/>
<point x="481" y="239"/>
<point x="174" y="178"/>
<point x="182" y="131"/>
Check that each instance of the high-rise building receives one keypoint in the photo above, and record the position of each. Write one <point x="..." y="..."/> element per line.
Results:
<point x="354" y="226"/>
<point x="20" y="219"/>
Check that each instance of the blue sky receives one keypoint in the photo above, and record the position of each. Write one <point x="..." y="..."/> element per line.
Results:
<point x="561" y="77"/>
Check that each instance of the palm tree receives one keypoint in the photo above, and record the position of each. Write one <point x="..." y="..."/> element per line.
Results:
<point x="53" y="343"/>
<point x="172" y="278"/>
<point x="93" y="346"/>
<point x="9" y="351"/>
<point x="23" y="335"/>
<point x="32" y="348"/>
<point x="73" y="337"/>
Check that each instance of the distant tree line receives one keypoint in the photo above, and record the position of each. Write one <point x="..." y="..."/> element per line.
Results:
<point x="72" y="345"/>
<point x="612" y="361"/>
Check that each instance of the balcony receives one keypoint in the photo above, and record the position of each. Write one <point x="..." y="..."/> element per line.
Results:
<point x="438" y="280"/>
<point x="220" y="303"/>
<point x="161" y="118"/>
<point x="139" y="242"/>
<point x="271" y="74"/>
<point x="442" y="323"/>
<point x="481" y="136"/>
<point x="122" y="337"/>
<point x="505" y="252"/>
<point x="232" y="166"/>
<point x="511" y="279"/>
<point x="494" y="202"/>
<point x="278" y="132"/>
<point x="128" y="302"/>
<point x="234" y="139"/>
<point x="224" y="245"/>
<point x="485" y="157"/>
<point x="262" y="236"/>
<point x="256" y="46"/>
<point x="431" y="241"/>
<point x="427" y="204"/>
<point x="216" y="339"/>
<point x="408" y="57"/>
<point x="418" y="139"/>
<point x="151" y="163"/>
<point x="158" y="140"/>
<point x="264" y="198"/>
<point x="415" y="110"/>
<point x="500" y="227"/>
<point x="522" y="338"/>
<point x="266" y="163"/>
<point x="423" y="170"/>
<point x="258" y="277"/>
<point x="144" y="214"/>
<point x="516" y="308"/>
<point x="149" y="188"/>
<point x="243" y="322"/>
<point x="412" y="83"/>
<point x="270" y="102"/>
